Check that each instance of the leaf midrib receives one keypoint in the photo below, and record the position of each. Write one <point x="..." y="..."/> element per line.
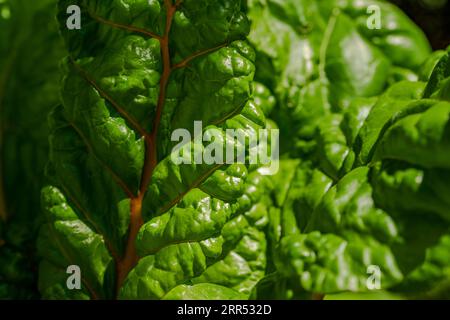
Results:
<point x="130" y="258"/>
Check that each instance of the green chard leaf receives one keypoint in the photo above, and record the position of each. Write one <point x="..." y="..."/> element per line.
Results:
<point x="389" y="208"/>
<point x="317" y="57"/>
<point x="360" y="204"/>
<point x="139" y="224"/>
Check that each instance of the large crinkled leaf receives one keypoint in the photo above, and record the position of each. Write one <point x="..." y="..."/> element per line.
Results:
<point x="305" y="192"/>
<point x="370" y="187"/>
<point x="394" y="204"/>
<point x="431" y="279"/>
<point x="317" y="57"/>
<point x="29" y="81"/>
<point x="397" y="98"/>
<point x="296" y="190"/>
<point x="398" y="37"/>
<point x="202" y="240"/>
<point x="245" y="243"/>
<point x="438" y="84"/>
<point x="137" y="71"/>
<point x="359" y="135"/>
<point x="381" y="150"/>
<point x="337" y="135"/>
<point x="416" y="136"/>
<point x="348" y="209"/>
<point x="400" y="186"/>
<point x="348" y="233"/>
<point x="171" y="181"/>
<point x="430" y="64"/>
<point x="327" y="263"/>
<point x="196" y="217"/>
<point x="418" y="197"/>
<point x="335" y="155"/>
<point x="387" y="127"/>
<point x="88" y="185"/>
<point x="66" y="241"/>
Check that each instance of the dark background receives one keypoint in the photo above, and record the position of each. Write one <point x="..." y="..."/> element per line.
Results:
<point x="433" y="16"/>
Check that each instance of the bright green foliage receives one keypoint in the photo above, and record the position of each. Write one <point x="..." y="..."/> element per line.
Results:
<point x="232" y="258"/>
<point x="129" y="82"/>
<point x="364" y="176"/>
<point x="377" y="195"/>
<point x="318" y="56"/>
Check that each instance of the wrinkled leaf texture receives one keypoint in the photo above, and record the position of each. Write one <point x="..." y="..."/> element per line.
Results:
<point x="138" y="225"/>
<point x="368" y="110"/>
